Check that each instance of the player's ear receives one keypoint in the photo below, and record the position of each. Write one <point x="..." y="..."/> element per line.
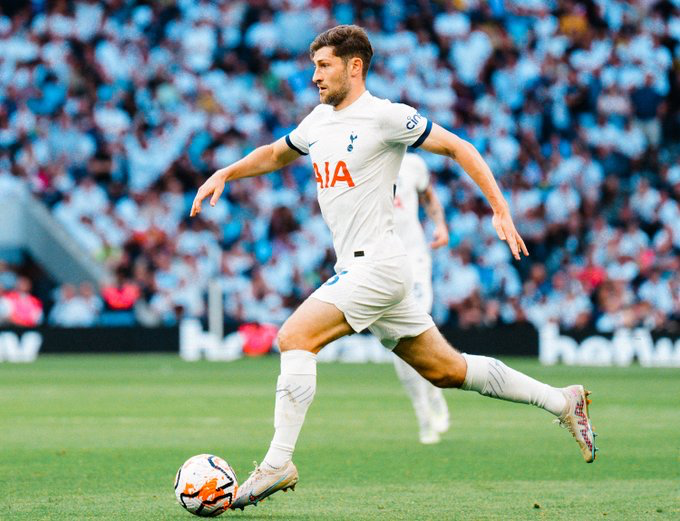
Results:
<point x="356" y="66"/>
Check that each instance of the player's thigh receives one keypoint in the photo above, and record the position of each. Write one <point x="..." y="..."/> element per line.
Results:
<point x="434" y="358"/>
<point x="313" y="325"/>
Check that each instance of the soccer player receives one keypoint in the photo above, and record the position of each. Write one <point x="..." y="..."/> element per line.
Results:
<point x="413" y="189"/>
<point x="356" y="143"/>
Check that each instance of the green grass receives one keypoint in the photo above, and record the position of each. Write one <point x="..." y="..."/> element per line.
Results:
<point x="102" y="437"/>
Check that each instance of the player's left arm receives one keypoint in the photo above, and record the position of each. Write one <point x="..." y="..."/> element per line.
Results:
<point x="441" y="141"/>
<point x="433" y="207"/>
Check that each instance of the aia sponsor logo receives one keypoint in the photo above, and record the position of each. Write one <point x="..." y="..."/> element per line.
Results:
<point x="341" y="174"/>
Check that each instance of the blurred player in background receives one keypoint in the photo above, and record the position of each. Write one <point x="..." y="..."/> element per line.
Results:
<point x="357" y="143"/>
<point x="414" y="189"/>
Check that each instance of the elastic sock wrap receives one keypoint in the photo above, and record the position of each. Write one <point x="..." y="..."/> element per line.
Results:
<point x="298" y="361"/>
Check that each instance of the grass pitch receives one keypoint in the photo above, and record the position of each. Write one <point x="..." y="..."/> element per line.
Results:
<point x="102" y="437"/>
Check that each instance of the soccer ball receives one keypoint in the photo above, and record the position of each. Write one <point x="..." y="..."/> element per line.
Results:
<point x="205" y="485"/>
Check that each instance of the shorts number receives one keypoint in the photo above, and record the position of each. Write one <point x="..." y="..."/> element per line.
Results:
<point x="334" y="278"/>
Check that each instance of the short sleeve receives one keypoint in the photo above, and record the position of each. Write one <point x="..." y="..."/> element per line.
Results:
<point x="415" y="168"/>
<point x="403" y="124"/>
<point x="422" y="174"/>
<point x="298" y="138"/>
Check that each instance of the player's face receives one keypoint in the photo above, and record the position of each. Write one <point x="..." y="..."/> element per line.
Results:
<point x="331" y="76"/>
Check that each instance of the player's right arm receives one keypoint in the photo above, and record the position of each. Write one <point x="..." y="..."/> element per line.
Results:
<point x="435" y="211"/>
<point x="262" y="160"/>
<point x="441" y="141"/>
<point x="402" y="124"/>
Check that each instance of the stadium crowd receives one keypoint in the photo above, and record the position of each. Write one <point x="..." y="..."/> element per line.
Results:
<point x="114" y="112"/>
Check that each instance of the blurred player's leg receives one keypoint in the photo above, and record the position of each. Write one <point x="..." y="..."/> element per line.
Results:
<point x="418" y="389"/>
<point x="428" y="401"/>
<point x="436" y="360"/>
<point x="439" y="409"/>
<point x="311" y="327"/>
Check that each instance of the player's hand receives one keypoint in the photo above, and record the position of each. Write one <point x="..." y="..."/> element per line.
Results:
<point x="213" y="188"/>
<point x="505" y="228"/>
<point x="440" y="237"/>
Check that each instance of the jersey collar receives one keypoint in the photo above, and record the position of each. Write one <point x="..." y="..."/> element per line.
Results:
<point x="356" y="103"/>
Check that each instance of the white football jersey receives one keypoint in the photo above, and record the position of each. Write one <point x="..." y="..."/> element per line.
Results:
<point x="413" y="179"/>
<point x="356" y="153"/>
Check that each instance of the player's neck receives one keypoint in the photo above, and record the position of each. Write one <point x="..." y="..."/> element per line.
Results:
<point x="353" y="95"/>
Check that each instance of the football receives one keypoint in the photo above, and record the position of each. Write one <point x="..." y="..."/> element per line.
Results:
<point x="205" y="485"/>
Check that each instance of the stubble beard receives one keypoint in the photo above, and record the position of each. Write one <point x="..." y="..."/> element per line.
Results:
<point x="338" y="96"/>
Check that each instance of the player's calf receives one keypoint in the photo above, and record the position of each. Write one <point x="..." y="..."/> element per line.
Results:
<point x="436" y="361"/>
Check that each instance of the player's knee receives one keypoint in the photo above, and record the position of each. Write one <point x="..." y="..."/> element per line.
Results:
<point x="285" y="339"/>
<point x="288" y="338"/>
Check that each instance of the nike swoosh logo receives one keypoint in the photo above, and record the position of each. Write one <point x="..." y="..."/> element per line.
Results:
<point x="264" y="494"/>
<point x="310" y="145"/>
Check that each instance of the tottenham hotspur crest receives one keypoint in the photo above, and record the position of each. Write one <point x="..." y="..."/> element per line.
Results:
<point x="352" y="137"/>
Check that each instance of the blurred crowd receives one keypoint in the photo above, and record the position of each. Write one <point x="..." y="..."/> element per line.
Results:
<point x="114" y="113"/>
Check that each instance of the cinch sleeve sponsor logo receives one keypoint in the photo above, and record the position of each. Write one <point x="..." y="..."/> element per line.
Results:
<point x="341" y="173"/>
<point x="412" y="121"/>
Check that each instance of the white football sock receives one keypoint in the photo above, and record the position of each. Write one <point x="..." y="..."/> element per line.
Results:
<point x="438" y="405"/>
<point x="295" y="389"/>
<point x="417" y="389"/>
<point x="493" y="378"/>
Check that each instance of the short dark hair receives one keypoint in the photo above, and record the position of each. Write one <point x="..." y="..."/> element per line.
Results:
<point x="347" y="41"/>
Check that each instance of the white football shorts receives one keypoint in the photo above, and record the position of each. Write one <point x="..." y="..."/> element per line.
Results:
<point x="378" y="296"/>
<point x="422" y="279"/>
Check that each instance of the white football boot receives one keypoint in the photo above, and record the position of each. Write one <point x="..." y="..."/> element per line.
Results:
<point x="428" y="435"/>
<point x="437" y="424"/>
<point x="263" y="482"/>
<point x="575" y="418"/>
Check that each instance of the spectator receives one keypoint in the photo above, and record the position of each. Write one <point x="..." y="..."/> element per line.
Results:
<point x="72" y="309"/>
<point x="92" y="302"/>
<point x="25" y="309"/>
<point x="119" y="301"/>
<point x="8" y="278"/>
<point x="646" y="103"/>
<point x="5" y="308"/>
